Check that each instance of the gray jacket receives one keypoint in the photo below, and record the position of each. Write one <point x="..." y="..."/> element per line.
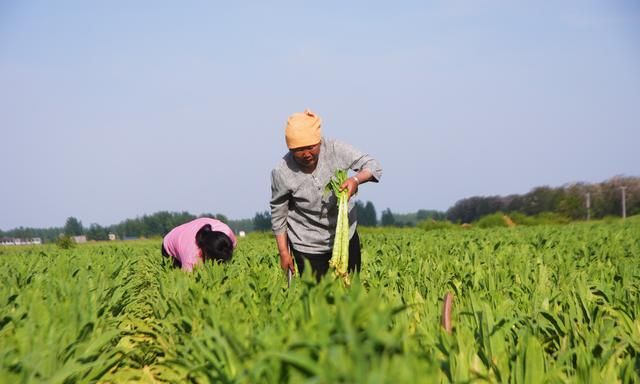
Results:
<point x="299" y="204"/>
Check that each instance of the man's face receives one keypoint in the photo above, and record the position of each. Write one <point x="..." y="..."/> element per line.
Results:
<point x="306" y="157"/>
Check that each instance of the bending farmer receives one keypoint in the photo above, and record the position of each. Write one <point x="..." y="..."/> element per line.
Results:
<point x="198" y="241"/>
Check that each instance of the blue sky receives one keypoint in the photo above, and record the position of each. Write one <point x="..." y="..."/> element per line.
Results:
<point x="112" y="110"/>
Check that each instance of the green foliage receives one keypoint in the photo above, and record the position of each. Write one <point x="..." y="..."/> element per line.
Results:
<point x="245" y="225"/>
<point x="470" y="209"/>
<point x="340" y="251"/>
<point x="424" y="214"/>
<point x="97" y="233"/>
<point x="609" y="219"/>
<point x="543" y="218"/>
<point x="568" y="201"/>
<point x="73" y="227"/>
<point x="65" y="242"/>
<point x="262" y="221"/>
<point x="390" y="219"/>
<point x="218" y="216"/>
<point x="157" y="224"/>
<point x="430" y="225"/>
<point x="367" y="216"/>
<point x="492" y="221"/>
<point x="572" y="205"/>
<point x="522" y="219"/>
<point x="539" y="199"/>
<point x="532" y="304"/>
<point x="499" y="219"/>
<point x="46" y="234"/>
<point x="387" y="219"/>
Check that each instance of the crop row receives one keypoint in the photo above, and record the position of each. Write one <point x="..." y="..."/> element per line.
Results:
<point x="554" y="304"/>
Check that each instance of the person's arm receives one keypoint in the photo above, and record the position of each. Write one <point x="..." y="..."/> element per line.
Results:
<point x="366" y="167"/>
<point x="279" y="212"/>
<point x="286" y="260"/>
<point x="352" y="183"/>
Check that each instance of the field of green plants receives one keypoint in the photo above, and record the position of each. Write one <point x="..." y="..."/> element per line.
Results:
<point x="537" y="304"/>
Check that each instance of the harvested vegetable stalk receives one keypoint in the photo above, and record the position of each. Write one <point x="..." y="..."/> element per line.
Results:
<point x="340" y="255"/>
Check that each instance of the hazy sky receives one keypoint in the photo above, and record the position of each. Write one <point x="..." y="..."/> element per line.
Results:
<point x="111" y="110"/>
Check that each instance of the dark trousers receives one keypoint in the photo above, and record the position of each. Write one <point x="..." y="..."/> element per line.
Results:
<point x="320" y="262"/>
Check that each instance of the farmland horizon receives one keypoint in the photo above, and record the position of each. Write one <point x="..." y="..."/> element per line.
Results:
<point x="635" y="180"/>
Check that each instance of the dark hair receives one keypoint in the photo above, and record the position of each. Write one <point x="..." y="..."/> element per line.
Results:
<point x="215" y="245"/>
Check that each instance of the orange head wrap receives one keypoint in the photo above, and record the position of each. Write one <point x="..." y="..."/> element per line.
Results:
<point x="303" y="129"/>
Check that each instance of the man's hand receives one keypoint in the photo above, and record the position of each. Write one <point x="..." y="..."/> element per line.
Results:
<point x="351" y="185"/>
<point x="286" y="262"/>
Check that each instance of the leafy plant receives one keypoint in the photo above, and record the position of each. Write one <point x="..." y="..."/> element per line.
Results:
<point x="65" y="242"/>
<point x="558" y="304"/>
<point x="340" y="253"/>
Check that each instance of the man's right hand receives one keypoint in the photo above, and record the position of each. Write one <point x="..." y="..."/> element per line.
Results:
<point x="286" y="262"/>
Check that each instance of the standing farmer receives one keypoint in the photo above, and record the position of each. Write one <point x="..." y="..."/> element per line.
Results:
<point x="303" y="218"/>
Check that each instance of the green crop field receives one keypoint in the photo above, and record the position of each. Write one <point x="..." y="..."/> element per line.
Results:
<point x="541" y="304"/>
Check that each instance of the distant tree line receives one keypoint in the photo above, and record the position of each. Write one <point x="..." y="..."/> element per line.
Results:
<point x="160" y="223"/>
<point x="570" y="201"/>
<point x="157" y="224"/>
<point x="389" y="218"/>
<point x="46" y="234"/>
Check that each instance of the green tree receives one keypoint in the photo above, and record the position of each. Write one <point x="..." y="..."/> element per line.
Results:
<point x="245" y="225"/>
<point x="130" y="228"/>
<point x="424" y="214"/>
<point x="97" y="233"/>
<point x="65" y="242"/>
<point x="371" y="214"/>
<point x="367" y="216"/>
<point x="157" y="224"/>
<point x="541" y="199"/>
<point x="387" y="218"/>
<point x="73" y="227"/>
<point x="262" y="221"/>
<point x="23" y="233"/>
<point x="221" y="217"/>
<point x="472" y="208"/>
<point x="572" y="204"/>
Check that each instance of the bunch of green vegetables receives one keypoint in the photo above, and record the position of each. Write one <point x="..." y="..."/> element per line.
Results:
<point x="340" y="255"/>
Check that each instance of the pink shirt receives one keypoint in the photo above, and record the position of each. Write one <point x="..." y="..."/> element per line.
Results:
<point x="181" y="241"/>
